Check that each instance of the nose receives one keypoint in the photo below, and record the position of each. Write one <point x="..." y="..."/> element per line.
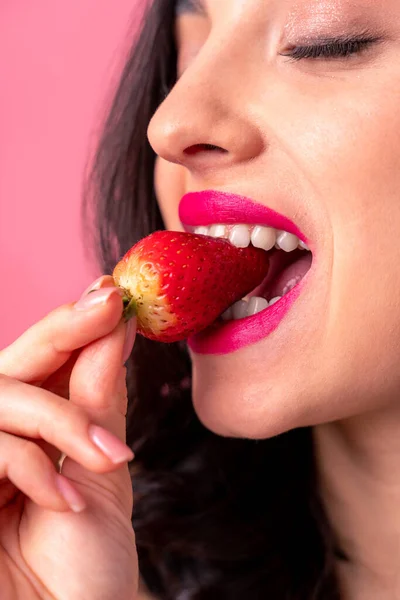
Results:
<point x="206" y="120"/>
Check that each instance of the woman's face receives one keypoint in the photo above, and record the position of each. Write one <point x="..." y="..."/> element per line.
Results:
<point x="303" y="96"/>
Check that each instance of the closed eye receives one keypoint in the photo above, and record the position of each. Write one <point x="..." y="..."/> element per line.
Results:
<point x="338" y="48"/>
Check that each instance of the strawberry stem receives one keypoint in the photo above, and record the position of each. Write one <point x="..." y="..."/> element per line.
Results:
<point x="129" y="308"/>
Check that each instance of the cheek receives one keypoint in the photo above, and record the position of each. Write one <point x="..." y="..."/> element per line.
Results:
<point x="348" y="147"/>
<point x="347" y="157"/>
<point x="170" y="186"/>
<point x="355" y="151"/>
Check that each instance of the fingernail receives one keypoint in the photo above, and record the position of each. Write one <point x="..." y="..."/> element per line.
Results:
<point x="98" y="297"/>
<point x="94" y="286"/>
<point x="130" y="336"/>
<point x="110" y="445"/>
<point x="72" y="497"/>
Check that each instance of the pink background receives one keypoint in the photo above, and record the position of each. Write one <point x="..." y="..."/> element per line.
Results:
<point x="57" y="61"/>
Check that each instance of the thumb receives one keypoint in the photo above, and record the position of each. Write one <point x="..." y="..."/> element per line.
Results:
<point x="98" y="382"/>
<point x="98" y="385"/>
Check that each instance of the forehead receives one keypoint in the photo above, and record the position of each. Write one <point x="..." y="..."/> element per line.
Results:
<point x="202" y="6"/>
<point x="309" y="15"/>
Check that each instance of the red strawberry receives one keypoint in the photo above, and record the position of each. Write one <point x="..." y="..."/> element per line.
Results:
<point x="179" y="283"/>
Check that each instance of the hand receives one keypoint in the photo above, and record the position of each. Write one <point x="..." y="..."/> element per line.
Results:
<point x="61" y="376"/>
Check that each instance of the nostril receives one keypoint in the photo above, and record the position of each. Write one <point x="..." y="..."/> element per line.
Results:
<point x="202" y="148"/>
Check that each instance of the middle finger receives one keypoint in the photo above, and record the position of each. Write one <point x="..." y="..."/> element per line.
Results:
<point x="37" y="413"/>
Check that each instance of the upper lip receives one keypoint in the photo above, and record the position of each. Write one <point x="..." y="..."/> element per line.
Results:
<point x="210" y="206"/>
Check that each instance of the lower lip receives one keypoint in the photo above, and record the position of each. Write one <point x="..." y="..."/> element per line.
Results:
<point x="229" y="336"/>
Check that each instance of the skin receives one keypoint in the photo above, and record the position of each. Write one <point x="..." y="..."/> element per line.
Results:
<point x="317" y="140"/>
<point x="60" y="376"/>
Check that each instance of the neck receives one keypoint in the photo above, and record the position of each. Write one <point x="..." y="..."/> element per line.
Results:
<point x="358" y="461"/>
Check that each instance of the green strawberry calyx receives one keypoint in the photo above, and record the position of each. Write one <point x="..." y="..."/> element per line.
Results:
<point x="130" y="307"/>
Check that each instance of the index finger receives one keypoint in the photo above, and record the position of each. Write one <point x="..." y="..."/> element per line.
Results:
<point x="49" y="343"/>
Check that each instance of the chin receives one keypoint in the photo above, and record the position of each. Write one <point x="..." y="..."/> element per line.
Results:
<point x="259" y="403"/>
<point x="243" y="407"/>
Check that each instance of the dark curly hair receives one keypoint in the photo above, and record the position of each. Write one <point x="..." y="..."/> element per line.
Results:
<point x="215" y="518"/>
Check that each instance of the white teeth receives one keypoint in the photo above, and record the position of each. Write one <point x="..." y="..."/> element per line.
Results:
<point x="287" y="241"/>
<point x="243" y="309"/>
<point x="260" y="236"/>
<point x="256" y="305"/>
<point x="217" y="231"/>
<point x="239" y="236"/>
<point x="240" y="309"/>
<point x="202" y="230"/>
<point x="263" y="237"/>
<point x="228" y="314"/>
<point x="303" y="245"/>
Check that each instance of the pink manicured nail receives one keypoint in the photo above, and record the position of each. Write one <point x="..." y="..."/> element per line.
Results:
<point x="72" y="497"/>
<point x="98" y="297"/>
<point x="110" y="445"/>
<point x="94" y="286"/>
<point x="130" y="336"/>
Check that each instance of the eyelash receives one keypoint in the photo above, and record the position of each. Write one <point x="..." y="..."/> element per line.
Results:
<point x="330" y="50"/>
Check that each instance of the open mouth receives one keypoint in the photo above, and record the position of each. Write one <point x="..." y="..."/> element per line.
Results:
<point x="290" y="260"/>
<point x="244" y="221"/>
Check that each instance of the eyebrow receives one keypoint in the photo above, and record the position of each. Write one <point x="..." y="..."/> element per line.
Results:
<point x="191" y="7"/>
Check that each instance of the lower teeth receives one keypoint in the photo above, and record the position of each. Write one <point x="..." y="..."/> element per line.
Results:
<point x="248" y="308"/>
<point x="243" y="309"/>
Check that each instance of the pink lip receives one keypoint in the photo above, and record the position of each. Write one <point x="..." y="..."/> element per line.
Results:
<point x="209" y="207"/>
<point x="225" y="337"/>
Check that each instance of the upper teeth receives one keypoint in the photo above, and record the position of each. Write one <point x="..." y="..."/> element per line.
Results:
<point x="260" y="236"/>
